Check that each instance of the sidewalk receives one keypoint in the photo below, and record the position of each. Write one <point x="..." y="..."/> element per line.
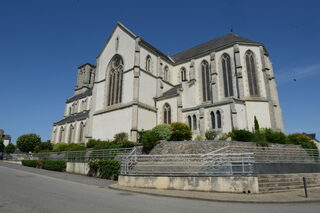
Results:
<point x="296" y="196"/>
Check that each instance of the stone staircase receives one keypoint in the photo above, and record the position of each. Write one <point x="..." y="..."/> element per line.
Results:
<point x="287" y="182"/>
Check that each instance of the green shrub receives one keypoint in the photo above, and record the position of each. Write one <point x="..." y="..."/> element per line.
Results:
<point x="260" y="138"/>
<point x="27" y="142"/>
<point x="149" y="139"/>
<point x="10" y="148"/>
<point x="109" y="169"/>
<point x="180" y="132"/>
<point x="198" y="138"/>
<point x="256" y="124"/>
<point x="303" y="140"/>
<point x="225" y="136"/>
<point x="60" y="147"/>
<point x="92" y="142"/>
<point x="274" y="136"/>
<point x="120" y="137"/>
<point x="163" y="131"/>
<point x="29" y="163"/>
<point x="211" y="134"/>
<point x="242" y="135"/>
<point x="43" y="146"/>
<point x="55" y="165"/>
<point x="75" y="147"/>
<point x="102" y="145"/>
<point x="127" y="144"/>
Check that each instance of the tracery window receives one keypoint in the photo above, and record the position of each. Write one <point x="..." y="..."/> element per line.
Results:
<point x="252" y="74"/>
<point x="148" y="64"/>
<point x="183" y="74"/>
<point x="205" y="72"/>
<point x="115" y="72"/>
<point x="227" y="75"/>
<point x="166" y="114"/>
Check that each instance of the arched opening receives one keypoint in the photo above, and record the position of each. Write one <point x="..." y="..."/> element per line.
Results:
<point x="189" y="121"/>
<point x="166" y="114"/>
<point x="252" y="74"/>
<point x="213" y="120"/>
<point x="205" y="72"/>
<point x="218" y="119"/>
<point x="115" y="73"/>
<point x="81" y="132"/>
<point x="227" y="75"/>
<point x="148" y="63"/>
<point x="194" y="122"/>
<point x="166" y="73"/>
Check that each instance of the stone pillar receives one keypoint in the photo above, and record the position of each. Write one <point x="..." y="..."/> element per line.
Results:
<point x="234" y="117"/>
<point x="159" y="74"/>
<point x="192" y="71"/>
<point x="179" y="104"/>
<point x="136" y="77"/>
<point x="214" y="78"/>
<point x="238" y="70"/>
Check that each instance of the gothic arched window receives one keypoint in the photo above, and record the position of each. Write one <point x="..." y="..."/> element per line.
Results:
<point x="213" y="120"/>
<point x="252" y="74"/>
<point x="166" y="73"/>
<point x="115" y="72"/>
<point x="166" y="114"/>
<point x="190" y="122"/>
<point x="148" y="64"/>
<point x="194" y="122"/>
<point x="205" y="72"/>
<point x="81" y="131"/>
<point x="61" y="134"/>
<point x="227" y="75"/>
<point x="183" y="74"/>
<point x="70" y="137"/>
<point x="218" y="119"/>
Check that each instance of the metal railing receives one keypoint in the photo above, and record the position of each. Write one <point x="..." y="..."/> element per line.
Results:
<point x="188" y="164"/>
<point x="78" y="156"/>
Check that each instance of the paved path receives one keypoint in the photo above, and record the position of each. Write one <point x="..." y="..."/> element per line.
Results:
<point x="25" y="190"/>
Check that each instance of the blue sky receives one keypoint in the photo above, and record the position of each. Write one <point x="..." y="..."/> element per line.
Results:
<point x="43" y="42"/>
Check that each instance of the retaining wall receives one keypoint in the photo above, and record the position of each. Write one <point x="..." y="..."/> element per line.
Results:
<point x="208" y="184"/>
<point x="78" y="168"/>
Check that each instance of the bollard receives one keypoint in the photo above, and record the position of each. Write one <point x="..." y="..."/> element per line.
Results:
<point x="305" y="186"/>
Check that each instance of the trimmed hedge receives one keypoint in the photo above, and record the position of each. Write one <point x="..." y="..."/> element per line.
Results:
<point x="54" y="165"/>
<point x="109" y="169"/>
<point x="29" y="163"/>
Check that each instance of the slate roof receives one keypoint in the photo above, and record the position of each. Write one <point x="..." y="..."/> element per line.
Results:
<point x="228" y="39"/>
<point x="171" y="92"/>
<point x="76" y="117"/>
<point x="79" y="96"/>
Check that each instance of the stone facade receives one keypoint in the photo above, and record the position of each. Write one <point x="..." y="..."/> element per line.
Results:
<point x="221" y="85"/>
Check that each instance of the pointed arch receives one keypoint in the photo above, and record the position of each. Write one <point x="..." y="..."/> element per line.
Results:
<point x="183" y="74"/>
<point x="115" y="76"/>
<point x="252" y="74"/>
<point x="166" y="114"/>
<point x="148" y="63"/>
<point x="213" y="120"/>
<point x="189" y="121"/>
<point x="194" y="122"/>
<point x="218" y="119"/>
<point x="227" y="75"/>
<point x="205" y="72"/>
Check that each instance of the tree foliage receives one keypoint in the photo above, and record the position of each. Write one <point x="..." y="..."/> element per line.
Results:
<point x="10" y="148"/>
<point x="180" y="132"/>
<point x="27" y="142"/>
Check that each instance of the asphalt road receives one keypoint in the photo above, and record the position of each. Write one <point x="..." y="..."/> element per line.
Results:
<point x="28" y="191"/>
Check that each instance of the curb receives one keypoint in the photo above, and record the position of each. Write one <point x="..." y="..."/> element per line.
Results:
<point x="127" y="189"/>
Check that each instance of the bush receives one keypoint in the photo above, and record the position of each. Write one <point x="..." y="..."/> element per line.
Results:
<point x="180" y="132"/>
<point x="27" y="142"/>
<point x="242" y="135"/>
<point x="55" y="165"/>
<point x="120" y="137"/>
<point x="29" y="163"/>
<point x="211" y="134"/>
<point x="60" y="147"/>
<point x="47" y="146"/>
<point x="127" y="144"/>
<point x="63" y="147"/>
<point x="10" y="148"/>
<point x="198" y="138"/>
<point x="92" y="142"/>
<point x="274" y="137"/>
<point x="303" y="140"/>
<point x="163" y="131"/>
<point x="260" y="138"/>
<point x="149" y="139"/>
<point x="109" y="169"/>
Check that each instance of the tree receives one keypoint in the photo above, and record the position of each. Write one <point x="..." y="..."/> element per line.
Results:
<point x="27" y="142"/>
<point x="256" y="124"/>
<point x="10" y="148"/>
<point x="1" y="145"/>
<point x="180" y="132"/>
<point x="44" y="146"/>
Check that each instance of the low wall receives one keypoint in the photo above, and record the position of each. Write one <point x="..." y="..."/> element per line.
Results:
<point x="18" y="162"/>
<point x="78" y="168"/>
<point x="217" y="184"/>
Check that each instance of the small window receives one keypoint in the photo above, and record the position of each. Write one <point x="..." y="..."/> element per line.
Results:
<point x="183" y="74"/>
<point x="148" y="64"/>
<point x="190" y="122"/>
<point x="213" y="120"/>
<point x="166" y="73"/>
<point x="194" y="118"/>
<point x="166" y="114"/>
<point x="219" y="119"/>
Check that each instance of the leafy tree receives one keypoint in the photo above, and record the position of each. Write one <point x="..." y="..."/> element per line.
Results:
<point x="149" y="139"/>
<point x="1" y="145"/>
<point x="256" y="124"/>
<point x="242" y="135"/>
<point x="180" y="132"/>
<point x="120" y="137"/>
<point x="211" y="134"/>
<point x="44" y="146"/>
<point x="10" y="148"/>
<point x="27" y="142"/>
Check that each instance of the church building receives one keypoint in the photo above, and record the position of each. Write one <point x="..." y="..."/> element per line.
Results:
<point x="221" y="84"/>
